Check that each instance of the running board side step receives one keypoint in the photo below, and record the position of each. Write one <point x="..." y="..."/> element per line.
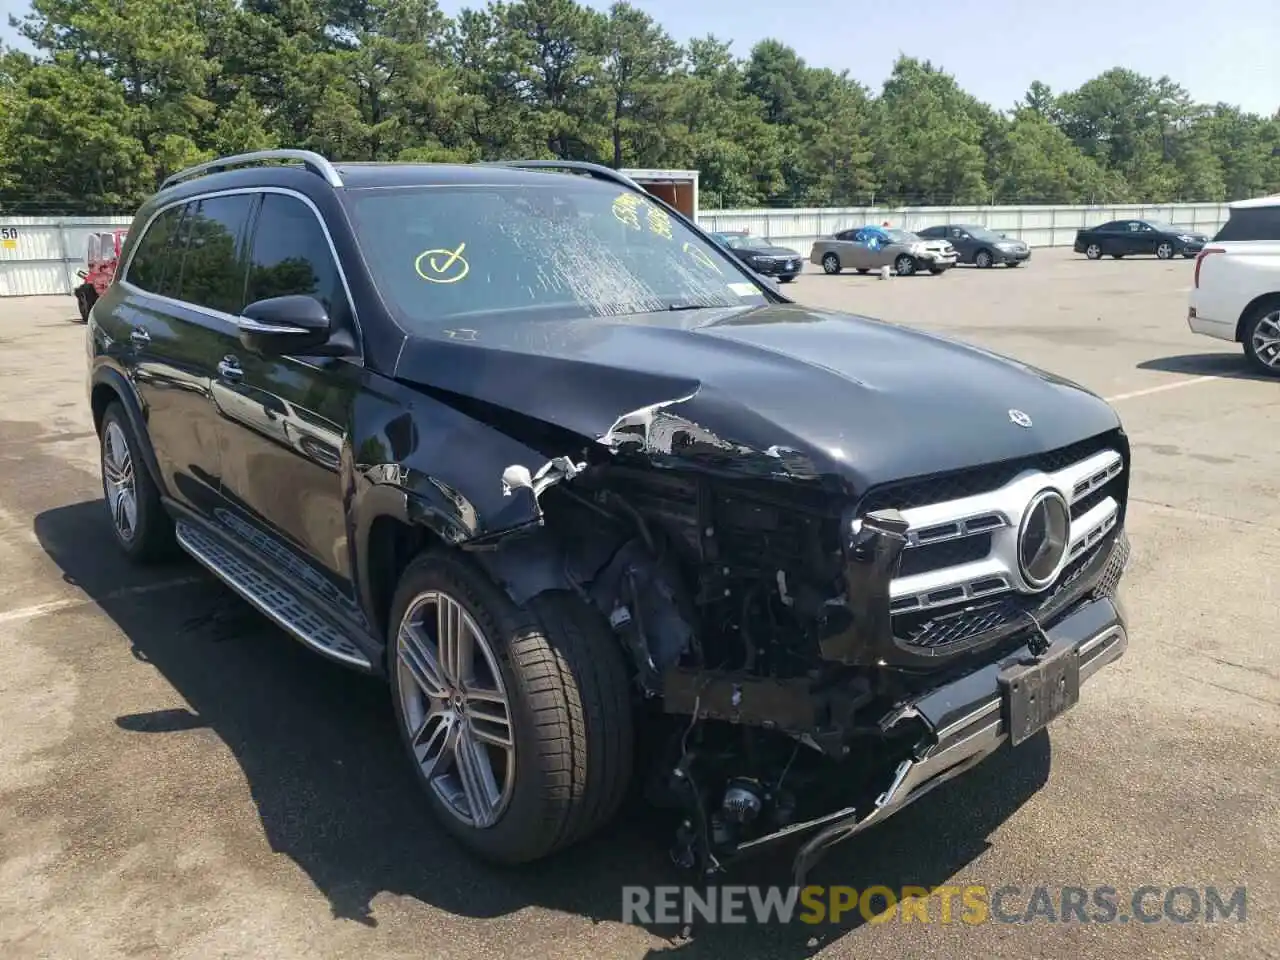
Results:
<point x="271" y="597"/>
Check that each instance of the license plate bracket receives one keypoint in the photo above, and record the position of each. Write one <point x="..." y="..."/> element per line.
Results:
<point x="1036" y="692"/>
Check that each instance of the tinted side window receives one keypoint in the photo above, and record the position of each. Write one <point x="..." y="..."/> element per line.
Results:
<point x="290" y="255"/>
<point x="156" y="252"/>
<point x="1252" y="223"/>
<point x="213" y="267"/>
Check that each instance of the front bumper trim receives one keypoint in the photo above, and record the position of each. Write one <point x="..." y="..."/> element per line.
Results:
<point x="972" y="730"/>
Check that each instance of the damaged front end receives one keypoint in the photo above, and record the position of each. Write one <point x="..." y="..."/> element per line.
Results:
<point x="810" y="661"/>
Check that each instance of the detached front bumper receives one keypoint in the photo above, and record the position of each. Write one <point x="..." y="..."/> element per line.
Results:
<point x="967" y="720"/>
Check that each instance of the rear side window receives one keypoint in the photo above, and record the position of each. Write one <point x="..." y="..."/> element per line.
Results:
<point x="1251" y="223"/>
<point x="213" y="267"/>
<point x="291" y="255"/>
<point x="156" y="253"/>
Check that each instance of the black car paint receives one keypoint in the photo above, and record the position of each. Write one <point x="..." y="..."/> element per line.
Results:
<point x="773" y="264"/>
<point x="306" y="455"/>
<point x="1118" y="238"/>
<point x="960" y="236"/>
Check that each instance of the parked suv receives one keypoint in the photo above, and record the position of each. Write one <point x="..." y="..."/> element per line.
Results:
<point x="1235" y="295"/>
<point x="527" y="443"/>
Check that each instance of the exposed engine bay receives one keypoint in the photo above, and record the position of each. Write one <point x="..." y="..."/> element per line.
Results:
<point x="760" y="627"/>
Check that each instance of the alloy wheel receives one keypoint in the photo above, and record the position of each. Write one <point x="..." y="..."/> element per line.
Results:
<point x="831" y="263"/>
<point x="904" y="266"/>
<point x="1093" y="251"/>
<point x="1265" y="340"/>
<point x="455" y="705"/>
<point x="118" y="481"/>
<point x="1165" y="251"/>
<point x="983" y="259"/>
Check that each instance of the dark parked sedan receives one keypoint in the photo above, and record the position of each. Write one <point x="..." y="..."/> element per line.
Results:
<point x="978" y="245"/>
<point x="762" y="255"/>
<point x="1126" y="238"/>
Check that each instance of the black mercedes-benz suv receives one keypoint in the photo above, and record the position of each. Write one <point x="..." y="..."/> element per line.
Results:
<point x="597" y="501"/>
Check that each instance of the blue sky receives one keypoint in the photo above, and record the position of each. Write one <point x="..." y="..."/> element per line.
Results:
<point x="995" y="50"/>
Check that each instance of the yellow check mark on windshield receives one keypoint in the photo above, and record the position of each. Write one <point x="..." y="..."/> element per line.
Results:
<point x="442" y="266"/>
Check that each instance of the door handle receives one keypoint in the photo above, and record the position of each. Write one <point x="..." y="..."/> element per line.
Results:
<point x="140" y="335"/>
<point x="229" y="368"/>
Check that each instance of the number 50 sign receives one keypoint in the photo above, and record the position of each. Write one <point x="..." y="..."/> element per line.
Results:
<point x="9" y="238"/>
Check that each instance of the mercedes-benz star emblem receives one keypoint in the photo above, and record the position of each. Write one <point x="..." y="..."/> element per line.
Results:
<point x="1043" y="538"/>
<point x="1020" y="418"/>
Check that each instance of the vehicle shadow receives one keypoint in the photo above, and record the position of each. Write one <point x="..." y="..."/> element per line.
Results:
<point x="1230" y="365"/>
<point x="321" y="758"/>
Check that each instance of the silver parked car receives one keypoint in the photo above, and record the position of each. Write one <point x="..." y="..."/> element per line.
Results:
<point x="870" y="248"/>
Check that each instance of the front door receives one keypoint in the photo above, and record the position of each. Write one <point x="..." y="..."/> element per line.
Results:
<point x="286" y="419"/>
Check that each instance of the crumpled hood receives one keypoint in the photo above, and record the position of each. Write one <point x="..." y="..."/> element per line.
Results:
<point x="779" y="389"/>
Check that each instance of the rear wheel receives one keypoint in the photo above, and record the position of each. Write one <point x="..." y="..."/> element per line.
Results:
<point x="904" y="266"/>
<point x="1165" y="250"/>
<point x="831" y="263"/>
<point x="517" y="720"/>
<point x="143" y="530"/>
<point x="983" y="258"/>
<point x="1261" y="336"/>
<point x="1093" y="251"/>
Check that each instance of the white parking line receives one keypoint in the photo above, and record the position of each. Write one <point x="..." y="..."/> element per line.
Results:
<point x="66" y="603"/>
<point x="1177" y="384"/>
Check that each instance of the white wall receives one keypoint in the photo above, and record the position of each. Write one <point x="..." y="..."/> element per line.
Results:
<point x="47" y="251"/>
<point x="1039" y="226"/>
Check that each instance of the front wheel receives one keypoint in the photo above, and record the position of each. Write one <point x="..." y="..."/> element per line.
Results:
<point x="517" y="720"/>
<point x="904" y="266"/>
<point x="1165" y="251"/>
<point x="84" y="305"/>
<point x="1261" y="336"/>
<point x="1093" y="251"/>
<point x="831" y="263"/>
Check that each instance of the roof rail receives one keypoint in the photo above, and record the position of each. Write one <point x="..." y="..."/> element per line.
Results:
<point x="311" y="160"/>
<point x="597" y="170"/>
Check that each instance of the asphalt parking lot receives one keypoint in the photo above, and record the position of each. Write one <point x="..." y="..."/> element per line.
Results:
<point x="178" y="779"/>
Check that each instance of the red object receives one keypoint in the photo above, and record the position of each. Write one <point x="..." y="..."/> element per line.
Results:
<point x="1200" y="259"/>
<point x="102" y="259"/>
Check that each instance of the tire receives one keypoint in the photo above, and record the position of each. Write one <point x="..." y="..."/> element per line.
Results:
<point x="786" y="279"/>
<point x="567" y="704"/>
<point x="831" y="263"/>
<point x="1093" y="251"/>
<point x="983" y="259"/>
<point x="145" y="531"/>
<point x="904" y="266"/>
<point x="1262" y="324"/>
<point x="1165" y="251"/>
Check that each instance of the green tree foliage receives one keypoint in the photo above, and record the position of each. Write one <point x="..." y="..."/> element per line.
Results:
<point x="118" y="95"/>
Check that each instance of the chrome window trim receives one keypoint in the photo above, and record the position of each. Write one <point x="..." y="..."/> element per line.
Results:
<point x="239" y="321"/>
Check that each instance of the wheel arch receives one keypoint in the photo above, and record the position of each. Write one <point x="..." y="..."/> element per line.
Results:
<point x="110" y="386"/>
<point x="1253" y="305"/>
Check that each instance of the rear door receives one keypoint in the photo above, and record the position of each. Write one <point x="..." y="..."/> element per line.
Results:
<point x="287" y="418"/>
<point x="184" y="287"/>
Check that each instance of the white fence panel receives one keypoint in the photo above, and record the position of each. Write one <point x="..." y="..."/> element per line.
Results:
<point x="1039" y="226"/>
<point x="40" y="255"/>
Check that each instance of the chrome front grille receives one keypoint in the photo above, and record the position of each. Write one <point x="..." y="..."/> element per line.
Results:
<point x="960" y="577"/>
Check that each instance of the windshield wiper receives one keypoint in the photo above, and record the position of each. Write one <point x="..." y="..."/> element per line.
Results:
<point x="673" y="307"/>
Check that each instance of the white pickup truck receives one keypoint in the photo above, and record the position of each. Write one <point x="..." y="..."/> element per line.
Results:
<point x="1236" y="292"/>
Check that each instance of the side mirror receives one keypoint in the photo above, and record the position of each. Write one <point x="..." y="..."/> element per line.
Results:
<point x="284" y="325"/>
<point x="82" y="274"/>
